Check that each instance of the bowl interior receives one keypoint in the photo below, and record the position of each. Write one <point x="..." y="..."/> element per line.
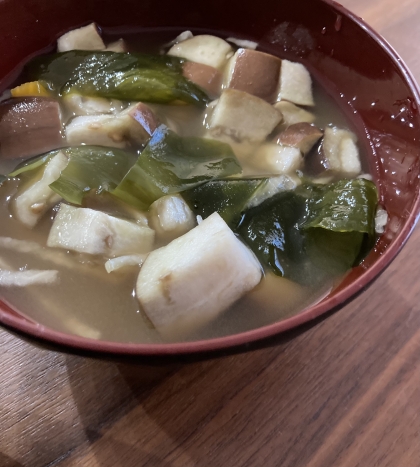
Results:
<point x="357" y="67"/>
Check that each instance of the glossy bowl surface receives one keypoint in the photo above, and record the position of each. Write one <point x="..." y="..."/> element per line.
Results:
<point x="357" y="67"/>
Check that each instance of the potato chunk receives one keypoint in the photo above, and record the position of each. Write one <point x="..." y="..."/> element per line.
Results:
<point x="189" y="282"/>
<point x="293" y="114"/>
<point x="35" y="200"/>
<point x="254" y="72"/>
<point x="243" y="116"/>
<point x="295" y="84"/>
<point x="205" y="49"/>
<point x="300" y="135"/>
<point x="171" y="217"/>
<point x="85" y="38"/>
<point x="87" y="231"/>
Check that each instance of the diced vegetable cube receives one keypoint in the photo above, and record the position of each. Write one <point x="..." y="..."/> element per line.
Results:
<point x="341" y="152"/>
<point x="205" y="49"/>
<point x="78" y="105"/>
<point x="136" y="123"/>
<point x="191" y="281"/>
<point x="300" y="135"/>
<point x="243" y="116"/>
<point x="87" y="231"/>
<point x="35" y="200"/>
<point x="207" y="77"/>
<point x="275" y="159"/>
<point x="295" y="84"/>
<point x="254" y="72"/>
<point x="29" y="126"/>
<point x="85" y="38"/>
<point x="293" y="114"/>
<point x="171" y="217"/>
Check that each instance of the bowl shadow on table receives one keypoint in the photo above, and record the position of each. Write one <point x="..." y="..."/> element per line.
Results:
<point x="6" y="461"/>
<point x="161" y="397"/>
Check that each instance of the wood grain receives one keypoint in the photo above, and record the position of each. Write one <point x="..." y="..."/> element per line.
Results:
<point x="342" y="393"/>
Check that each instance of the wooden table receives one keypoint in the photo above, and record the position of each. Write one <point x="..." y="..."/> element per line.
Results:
<point x="342" y="393"/>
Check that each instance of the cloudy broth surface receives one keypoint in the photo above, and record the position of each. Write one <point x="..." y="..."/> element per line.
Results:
<point x="89" y="302"/>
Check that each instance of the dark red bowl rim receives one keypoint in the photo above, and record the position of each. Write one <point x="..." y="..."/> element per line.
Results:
<point x="308" y="314"/>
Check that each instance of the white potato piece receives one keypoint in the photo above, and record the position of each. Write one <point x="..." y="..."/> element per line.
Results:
<point x="341" y="152"/>
<point x="272" y="158"/>
<point x="243" y="117"/>
<point x="78" y="105"/>
<point x="205" y="49"/>
<point x="171" y="217"/>
<point x="87" y="231"/>
<point x="180" y="38"/>
<point x="293" y="114"/>
<point x="25" y="278"/>
<point x="191" y="281"/>
<point x="34" y="201"/>
<point x="85" y="38"/>
<point x="295" y="84"/>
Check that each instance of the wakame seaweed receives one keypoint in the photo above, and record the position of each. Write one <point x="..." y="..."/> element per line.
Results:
<point x="125" y="76"/>
<point x="314" y="231"/>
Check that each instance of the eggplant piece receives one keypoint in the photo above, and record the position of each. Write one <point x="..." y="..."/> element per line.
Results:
<point x="256" y="73"/>
<point x="208" y="50"/>
<point x="85" y="38"/>
<point x="293" y="114"/>
<point x="36" y="199"/>
<point x="171" y="217"/>
<point x="204" y="76"/>
<point x="191" y="281"/>
<point x="275" y="159"/>
<point x="134" y="124"/>
<point x="119" y="46"/>
<point x="29" y="277"/>
<point x="93" y="232"/>
<point x="29" y="126"/>
<point x="340" y="152"/>
<point x="295" y="84"/>
<point x="78" y="105"/>
<point x="243" y="116"/>
<point x="303" y="136"/>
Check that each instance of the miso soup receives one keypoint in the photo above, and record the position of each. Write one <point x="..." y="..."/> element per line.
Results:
<point x="160" y="192"/>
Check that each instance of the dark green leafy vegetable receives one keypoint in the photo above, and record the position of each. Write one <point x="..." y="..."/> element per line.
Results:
<point x="172" y="164"/>
<point x="89" y="168"/>
<point x="271" y="230"/>
<point x="226" y="197"/>
<point x="315" y="231"/>
<point x="32" y="164"/>
<point x="345" y="206"/>
<point x="125" y="76"/>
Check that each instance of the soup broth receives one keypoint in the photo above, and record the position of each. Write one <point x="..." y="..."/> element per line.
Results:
<point x="90" y="302"/>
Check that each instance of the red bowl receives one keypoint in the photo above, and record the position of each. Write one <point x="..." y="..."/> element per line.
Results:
<point x="356" y="65"/>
